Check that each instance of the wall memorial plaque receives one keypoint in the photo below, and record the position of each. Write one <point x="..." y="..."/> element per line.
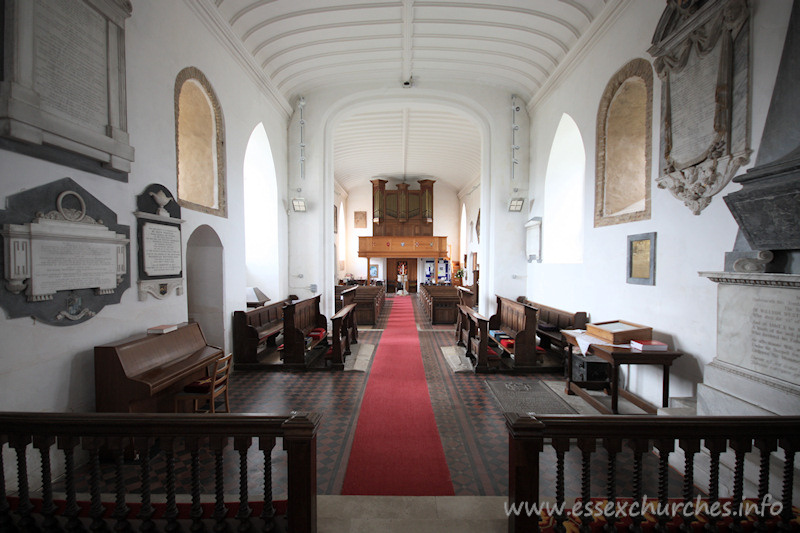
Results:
<point x="63" y="94"/>
<point x="160" y="246"/>
<point x="64" y="256"/>
<point x="701" y="50"/>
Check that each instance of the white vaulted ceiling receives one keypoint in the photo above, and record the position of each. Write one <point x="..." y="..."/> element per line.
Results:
<point x="303" y="45"/>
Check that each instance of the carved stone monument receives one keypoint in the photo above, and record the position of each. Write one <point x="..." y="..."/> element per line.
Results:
<point x="701" y="50"/>
<point x="160" y="246"/>
<point x="757" y="367"/>
<point x="64" y="255"/>
<point x="62" y="94"/>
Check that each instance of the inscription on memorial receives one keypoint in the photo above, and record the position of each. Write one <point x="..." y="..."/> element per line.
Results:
<point x="71" y="66"/>
<point x="64" y="265"/>
<point x="692" y="92"/>
<point x="162" y="249"/>
<point x="775" y="334"/>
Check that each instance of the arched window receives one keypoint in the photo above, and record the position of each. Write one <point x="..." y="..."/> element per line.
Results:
<point x="199" y="144"/>
<point x="260" y="212"/>
<point x="562" y="224"/>
<point x="624" y="146"/>
<point x="462" y="241"/>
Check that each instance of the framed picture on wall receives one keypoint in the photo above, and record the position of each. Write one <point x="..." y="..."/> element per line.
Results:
<point x="360" y="219"/>
<point x="642" y="259"/>
<point x="373" y="271"/>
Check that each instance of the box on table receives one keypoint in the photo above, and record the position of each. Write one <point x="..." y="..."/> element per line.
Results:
<point x="619" y="331"/>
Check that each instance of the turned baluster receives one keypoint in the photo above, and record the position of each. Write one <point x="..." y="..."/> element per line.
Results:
<point x="639" y="447"/>
<point x="171" y="508"/>
<point x="117" y="445"/>
<point x="6" y="522"/>
<point x="196" y="513"/>
<point x="613" y="447"/>
<point x="96" y="510"/>
<point x="790" y="446"/>
<point x="218" y="445"/>
<point x="586" y="446"/>
<point x="664" y="447"/>
<point x="266" y="444"/>
<point x="49" y="521"/>
<point x="714" y="447"/>
<point x="740" y="448"/>
<point x="71" y="509"/>
<point x="147" y="510"/>
<point x="25" y="508"/>
<point x="561" y="446"/>
<point x="765" y="448"/>
<point x="690" y="447"/>
<point x="242" y="445"/>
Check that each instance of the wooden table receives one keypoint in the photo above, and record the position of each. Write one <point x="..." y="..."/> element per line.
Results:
<point x="616" y="356"/>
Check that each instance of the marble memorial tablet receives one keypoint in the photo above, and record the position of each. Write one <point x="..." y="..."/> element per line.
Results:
<point x="161" y="249"/>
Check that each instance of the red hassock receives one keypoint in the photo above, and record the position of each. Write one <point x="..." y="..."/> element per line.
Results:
<point x="396" y="449"/>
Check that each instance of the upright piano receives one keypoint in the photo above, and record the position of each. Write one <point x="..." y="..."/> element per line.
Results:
<point x="141" y="374"/>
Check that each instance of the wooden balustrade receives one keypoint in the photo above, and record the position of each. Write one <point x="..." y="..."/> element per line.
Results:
<point x="529" y="434"/>
<point x="119" y="436"/>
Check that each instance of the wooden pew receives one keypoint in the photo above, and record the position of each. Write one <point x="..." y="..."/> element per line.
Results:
<point x="369" y="300"/>
<point x="142" y="374"/>
<point x="255" y="329"/>
<point x="299" y="319"/>
<point x="440" y="303"/>
<point x="466" y="297"/>
<point x="518" y="321"/>
<point x="343" y="334"/>
<point x="551" y="321"/>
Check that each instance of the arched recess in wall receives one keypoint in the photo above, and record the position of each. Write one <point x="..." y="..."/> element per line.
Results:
<point x="261" y="201"/>
<point x="624" y="146"/>
<point x="562" y="221"/>
<point x="205" y="279"/>
<point x="199" y="144"/>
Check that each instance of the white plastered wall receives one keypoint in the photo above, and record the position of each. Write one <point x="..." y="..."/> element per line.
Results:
<point x="48" y="368"/>
<point x="681" y="307"/>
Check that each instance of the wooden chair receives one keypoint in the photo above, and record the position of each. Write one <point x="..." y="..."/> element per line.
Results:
<point x="209" y="388"/>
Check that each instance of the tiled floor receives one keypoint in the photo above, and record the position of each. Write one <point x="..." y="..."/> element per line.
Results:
<point x="470" y="422"/>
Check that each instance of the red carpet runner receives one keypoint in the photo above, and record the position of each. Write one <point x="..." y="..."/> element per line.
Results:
<point x="396" y="449"/>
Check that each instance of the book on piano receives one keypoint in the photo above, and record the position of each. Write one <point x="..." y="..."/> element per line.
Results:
<point x="648" y="346"/>
<point x="164" y="328"/>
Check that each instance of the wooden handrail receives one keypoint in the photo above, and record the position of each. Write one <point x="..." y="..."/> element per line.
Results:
<point x="120" y="436"/>
<point x="530" y="434"/>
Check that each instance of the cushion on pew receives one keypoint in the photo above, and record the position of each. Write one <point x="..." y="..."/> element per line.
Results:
<point x="544" y="326"/>
<point x="507" y="343"/>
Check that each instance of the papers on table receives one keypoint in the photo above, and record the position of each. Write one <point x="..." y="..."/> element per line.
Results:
<point x="584" y="340"/>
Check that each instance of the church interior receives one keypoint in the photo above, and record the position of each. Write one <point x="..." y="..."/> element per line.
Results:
<point x="311" y="186"/>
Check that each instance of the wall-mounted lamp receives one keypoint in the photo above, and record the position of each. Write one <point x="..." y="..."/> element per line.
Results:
<point x="299" y="205"/>
<point x="515" y="204"/>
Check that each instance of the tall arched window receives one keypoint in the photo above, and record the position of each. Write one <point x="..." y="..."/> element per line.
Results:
<point x="261" y="212"/>
<point x="199" y="144"/>
<point x="624" y="125"/>
<point x="562" y="224"/>
<point x="462" y="241"/>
